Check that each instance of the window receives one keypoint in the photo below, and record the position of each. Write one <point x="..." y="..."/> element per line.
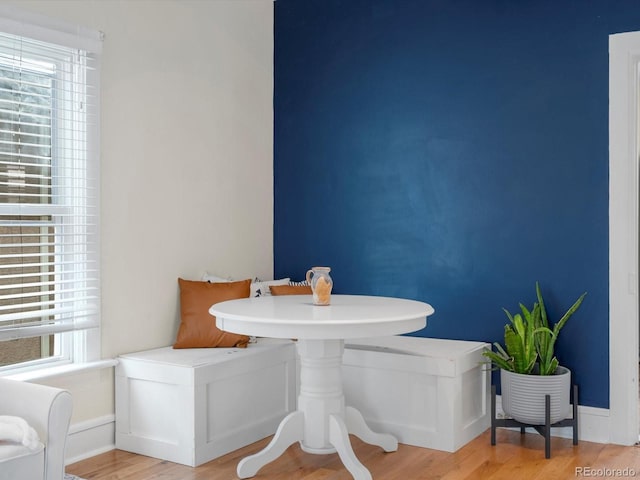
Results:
<point x="49" y="195"/>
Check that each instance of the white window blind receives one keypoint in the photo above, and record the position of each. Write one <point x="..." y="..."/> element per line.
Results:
<point x="49" y="181"/>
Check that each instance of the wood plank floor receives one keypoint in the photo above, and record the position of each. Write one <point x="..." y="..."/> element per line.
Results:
<point x="515" y="457"/>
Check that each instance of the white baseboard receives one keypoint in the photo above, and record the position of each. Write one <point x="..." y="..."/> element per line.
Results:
<point x="89" y="438"/>
<point x="96" y="436"/>
<point x="593" y="424"/>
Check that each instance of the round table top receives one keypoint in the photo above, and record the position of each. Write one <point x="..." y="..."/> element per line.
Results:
<point x="295" y="316"/>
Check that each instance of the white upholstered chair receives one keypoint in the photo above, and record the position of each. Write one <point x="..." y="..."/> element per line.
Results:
<point x="48" y="411"/>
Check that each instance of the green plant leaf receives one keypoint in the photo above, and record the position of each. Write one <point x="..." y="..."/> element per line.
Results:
<point x="518" y="325"/>
<point x="558" y="326"/>
<point x="515" y="349"/>
<point x="549" y="368"/>
<point x="501" y="351"/>
<point x="546" y="356"/>
<point x="498" y="360"/>
<point x="516" y="345"/>
<point x="543" y="309"/>
<point x="509" y="316"/>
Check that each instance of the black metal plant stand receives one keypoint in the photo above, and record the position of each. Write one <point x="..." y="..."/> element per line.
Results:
<point x="544" y="430"/>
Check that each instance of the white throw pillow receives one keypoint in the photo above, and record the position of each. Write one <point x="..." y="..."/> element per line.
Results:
<point x="214" y="279"/>
<point x="260" y="288"/>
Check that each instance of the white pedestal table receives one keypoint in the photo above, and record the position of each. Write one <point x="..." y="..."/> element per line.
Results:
<point x="322" y="423"/>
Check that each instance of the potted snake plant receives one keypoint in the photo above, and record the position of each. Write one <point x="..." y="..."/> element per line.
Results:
<point x="529" y="369"/>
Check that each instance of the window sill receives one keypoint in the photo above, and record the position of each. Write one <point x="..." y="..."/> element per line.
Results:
<point x="72" y="368"/>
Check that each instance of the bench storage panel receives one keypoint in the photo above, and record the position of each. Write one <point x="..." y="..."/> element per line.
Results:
<point x="190" y="406"/>
<point x="427" y="392"/>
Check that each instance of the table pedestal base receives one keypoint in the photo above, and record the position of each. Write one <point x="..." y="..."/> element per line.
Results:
<point x="322" y="423"/>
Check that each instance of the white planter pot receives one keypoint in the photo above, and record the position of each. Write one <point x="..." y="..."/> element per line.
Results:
<point x="523" y="396"/>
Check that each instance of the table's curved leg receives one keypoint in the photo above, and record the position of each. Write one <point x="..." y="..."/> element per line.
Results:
<point x="290" y="430"/>
<point x="358" y="427"/>
<point x="339" y="438"/>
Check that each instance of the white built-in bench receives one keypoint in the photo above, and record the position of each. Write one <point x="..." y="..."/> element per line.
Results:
<point x="427" y="392"/>
<point x="191" y="406"/>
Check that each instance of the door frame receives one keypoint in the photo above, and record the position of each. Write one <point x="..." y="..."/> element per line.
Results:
<point x="624" y="61"/>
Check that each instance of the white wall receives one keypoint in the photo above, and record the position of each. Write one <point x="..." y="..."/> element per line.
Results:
<point x="187" y="161"/>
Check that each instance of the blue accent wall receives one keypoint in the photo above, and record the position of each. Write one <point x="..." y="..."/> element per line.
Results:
<point x="453" y="152"/>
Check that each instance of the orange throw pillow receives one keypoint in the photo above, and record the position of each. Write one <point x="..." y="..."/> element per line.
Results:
<point x="290" y="289"/>
<point x="197" y="326"/>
